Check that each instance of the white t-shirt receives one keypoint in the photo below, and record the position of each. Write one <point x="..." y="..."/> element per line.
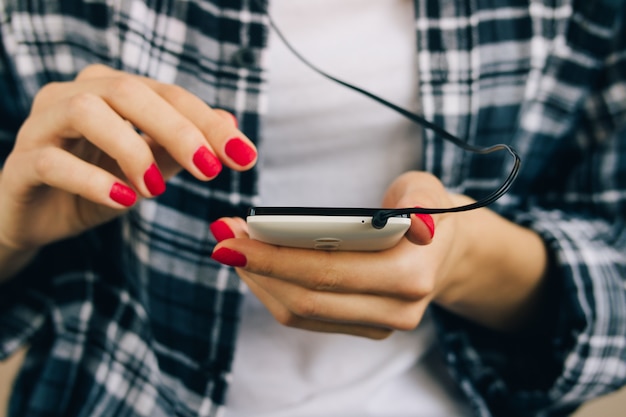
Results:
<point x="325" y="145"/>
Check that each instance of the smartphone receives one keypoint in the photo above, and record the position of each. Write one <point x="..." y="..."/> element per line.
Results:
<point x="325" y="228"/>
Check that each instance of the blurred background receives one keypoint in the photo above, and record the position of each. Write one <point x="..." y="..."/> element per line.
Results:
<point x="613" y="405"/>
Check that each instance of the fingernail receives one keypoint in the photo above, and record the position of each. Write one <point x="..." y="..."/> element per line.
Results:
<point x="122" y="194"/>
<point x="428" y="221"/>
<point x="229" y="257"/>
<point x="207" y="162"/>
<point x="239" y="151"/>
<point x="221" y="231"/>
<point x="154" y="180"/>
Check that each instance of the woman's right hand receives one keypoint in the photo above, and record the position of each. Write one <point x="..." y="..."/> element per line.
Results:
<point x="78" y="160"/>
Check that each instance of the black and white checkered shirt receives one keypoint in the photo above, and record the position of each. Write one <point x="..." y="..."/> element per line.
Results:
<point x="135" y="319"/>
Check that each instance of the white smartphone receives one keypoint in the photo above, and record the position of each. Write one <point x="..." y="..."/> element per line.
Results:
<point x="325" y="228"/>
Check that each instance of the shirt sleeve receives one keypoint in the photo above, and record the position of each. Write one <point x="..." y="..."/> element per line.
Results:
<point x="31" y="299"/>
<point x="579" y="351"/>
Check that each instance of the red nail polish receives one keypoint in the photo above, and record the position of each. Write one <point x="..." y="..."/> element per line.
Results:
<point x="207" y="162"/>
<point x="154" y="180"/>
<point x="122" y="194"/>
<point x="239" y="151"/>
<point x="221" y="231"/>
<point x="229" y="257"/>
<point x="428" y="221"/>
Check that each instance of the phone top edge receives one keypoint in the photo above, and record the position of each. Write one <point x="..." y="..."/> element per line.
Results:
<point x="316" y="211"/>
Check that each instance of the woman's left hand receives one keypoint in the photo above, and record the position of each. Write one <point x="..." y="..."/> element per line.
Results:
<point x="368" y="294"/>
<point x="471" y="266"/>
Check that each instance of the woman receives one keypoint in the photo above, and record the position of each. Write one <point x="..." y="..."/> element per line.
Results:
<point x="131" y="316"/>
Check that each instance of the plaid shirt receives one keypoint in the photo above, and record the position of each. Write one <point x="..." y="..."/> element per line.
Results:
<point x="134" y="319"/>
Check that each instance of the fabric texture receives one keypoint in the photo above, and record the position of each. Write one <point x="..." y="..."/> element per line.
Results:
<point x="134" y="319"/>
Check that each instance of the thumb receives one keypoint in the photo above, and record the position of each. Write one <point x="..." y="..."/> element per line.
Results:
<point x="422" y="230"/>
<point x="419" y="190"/>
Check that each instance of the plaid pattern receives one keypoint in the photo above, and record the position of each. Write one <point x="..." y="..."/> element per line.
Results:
<point x="134" y="319"/>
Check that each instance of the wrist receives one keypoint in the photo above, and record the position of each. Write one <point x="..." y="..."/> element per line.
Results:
<point x="498" y="280"/>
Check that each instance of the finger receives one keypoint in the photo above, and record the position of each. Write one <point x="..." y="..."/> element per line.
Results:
<point x="97" y="71"/>
<point x="88" y="116"/>
<point x="415" y="190"/>
<point x="230" y="144"/>
<point x="94" y="71"/>
<point x="229" y="228"/>
<point x="228" y="117"/>
<point x="422" y="228"/>
<point x="196" y="136"/>
<point x="361" y="309"/>
<point x="133" y="99"/>
<point x="166" y="163"/>
<point x="391" y="272"/>
<point x="288" y="318"/>
<point x="62" y="170"/>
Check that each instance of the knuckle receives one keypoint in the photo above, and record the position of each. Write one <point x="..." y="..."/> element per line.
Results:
<point x="287" y="318"/>
<point x="306" y="305"/>
<point x="122" y="87"/>
<point x="403" y="267"/>
<point x="412" y="285"/>
<point x="186" y="131"/>
<point x="379" y="334"/>
<point x="404" y="323"/>
<point x="46" y="93"/>
<point x="417" y="289"/>
<point x="407" y="319"/>
<point x="328" y="277"/>
<point x="44" y="163"/>
<point x="325" y="281"/>
<point x="80" y="104"/>
<point x="26" y="136"/>
<point x="174" y="94"/>
<point x="93" y="71"/>
<point x="264" y="265"/>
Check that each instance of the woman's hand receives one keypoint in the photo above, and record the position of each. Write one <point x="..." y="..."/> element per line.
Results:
<point x="371" y="294"/>
<point x="367" y="294"/>
<point x="79" y="160"/>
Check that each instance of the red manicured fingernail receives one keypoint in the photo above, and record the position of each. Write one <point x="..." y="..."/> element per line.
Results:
<point x="239" y="151"/>
<point x="229" y="257"/>
<point x="154" y="180"/>
<point x="428" y="221"/>
<point x="122" y="194"/>
<point x="207" y="162"/>
<point x="221" y="231"/>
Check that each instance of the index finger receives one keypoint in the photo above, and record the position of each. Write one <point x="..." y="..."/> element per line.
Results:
<point x="387" y="272"/>
<point x="231" y="144"/>
<point x="179" y="115"/>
